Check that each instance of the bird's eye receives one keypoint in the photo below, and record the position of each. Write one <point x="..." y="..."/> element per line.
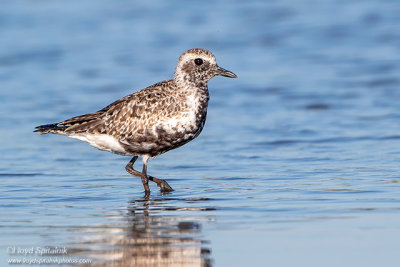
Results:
<point x="198" y="61"/>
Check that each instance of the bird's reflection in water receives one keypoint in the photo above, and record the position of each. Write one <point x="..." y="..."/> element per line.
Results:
<point x="157" y="233"/>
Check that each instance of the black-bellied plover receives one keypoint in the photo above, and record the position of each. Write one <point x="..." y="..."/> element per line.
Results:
<point x="152" y="121"/>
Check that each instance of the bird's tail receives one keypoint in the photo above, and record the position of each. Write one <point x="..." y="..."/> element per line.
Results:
<point x="50" y="129"/>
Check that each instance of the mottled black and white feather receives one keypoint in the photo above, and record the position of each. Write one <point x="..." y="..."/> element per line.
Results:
<point x="154" y="120"/>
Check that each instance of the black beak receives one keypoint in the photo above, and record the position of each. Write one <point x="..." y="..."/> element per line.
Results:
<point x="224" y="72"/>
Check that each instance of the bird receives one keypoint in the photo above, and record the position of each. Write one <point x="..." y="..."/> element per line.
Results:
<point x="152" y="121"/>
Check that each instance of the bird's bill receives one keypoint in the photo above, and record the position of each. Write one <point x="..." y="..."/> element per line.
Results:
<point x="225" y="73"/>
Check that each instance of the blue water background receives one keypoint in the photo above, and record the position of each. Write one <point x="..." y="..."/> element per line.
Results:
<point x="298" y="164"/>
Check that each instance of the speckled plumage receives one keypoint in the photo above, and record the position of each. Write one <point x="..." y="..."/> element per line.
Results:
<point x="154" y="120"/>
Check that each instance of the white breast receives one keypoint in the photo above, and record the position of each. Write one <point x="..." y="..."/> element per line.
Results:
<point x="186" y="119"/>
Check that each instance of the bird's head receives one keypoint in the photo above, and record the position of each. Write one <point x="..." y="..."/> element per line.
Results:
<point x="198" y="66"/>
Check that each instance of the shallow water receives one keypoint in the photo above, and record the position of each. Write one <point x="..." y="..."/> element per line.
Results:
<point x="298" y="164"/>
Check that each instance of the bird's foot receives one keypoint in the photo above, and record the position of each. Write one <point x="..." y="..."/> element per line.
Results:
<point x="164" y="186"/>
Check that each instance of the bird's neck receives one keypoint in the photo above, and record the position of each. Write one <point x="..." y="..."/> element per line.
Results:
<point x="190" y="80"/>
<point x="191" y="86"/>
<point x="195" y="93"/>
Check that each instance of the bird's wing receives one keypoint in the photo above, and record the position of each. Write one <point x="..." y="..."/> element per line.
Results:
<point x="141" y="111"/>
<point x="82" y="123"/>
<point x="131" y="114"/>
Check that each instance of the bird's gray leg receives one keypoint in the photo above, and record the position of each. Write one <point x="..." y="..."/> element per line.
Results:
<point x="129" y="167"/>
<point x="164" y="186"/>
<point x="145" y="178"/>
